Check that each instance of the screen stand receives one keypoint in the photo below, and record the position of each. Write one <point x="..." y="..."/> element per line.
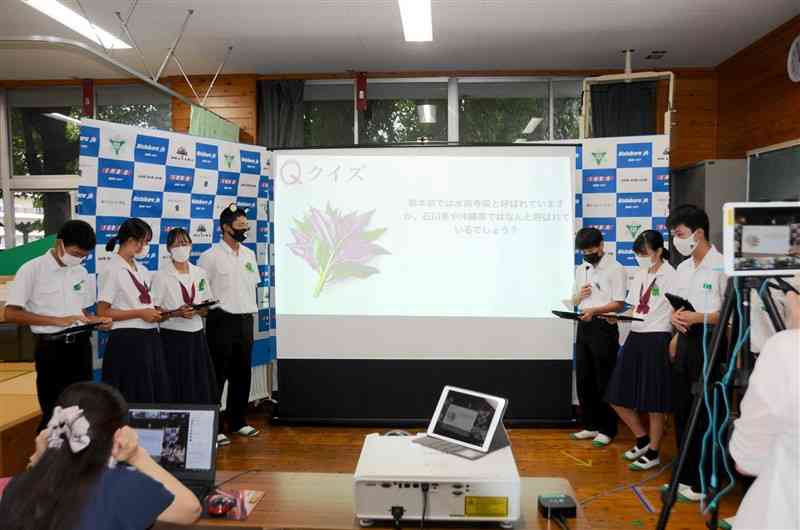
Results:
<point x="500" y="439"/>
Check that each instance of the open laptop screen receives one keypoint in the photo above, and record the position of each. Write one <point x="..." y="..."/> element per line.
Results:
<point x="467" y="417"/>
<point x="180" y="439"/>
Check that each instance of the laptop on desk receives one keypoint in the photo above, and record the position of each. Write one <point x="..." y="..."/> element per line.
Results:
<point x="182" y="439"/>
<point x="466" y="424"/>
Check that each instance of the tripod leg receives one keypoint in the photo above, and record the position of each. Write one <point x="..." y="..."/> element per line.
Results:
<point x="671" y="494"/>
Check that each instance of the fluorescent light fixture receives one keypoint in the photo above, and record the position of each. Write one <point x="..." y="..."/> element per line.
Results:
<point x="78" y="23"/>
<point x="63" y="117"/>
<point x="531" y="125"/>
<point x="416" y="16"/>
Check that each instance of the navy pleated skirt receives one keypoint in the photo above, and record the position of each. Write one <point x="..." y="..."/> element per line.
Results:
<point x="642" y="378"/>
<point x="133" y="362"/>
<point x="189" y="366"/>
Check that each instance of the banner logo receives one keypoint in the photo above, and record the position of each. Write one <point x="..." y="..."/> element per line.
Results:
<point x="600" y="157"/>
<point x="117" y="143"/>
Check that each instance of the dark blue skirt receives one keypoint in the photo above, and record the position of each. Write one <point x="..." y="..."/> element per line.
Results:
<point x="134" y="363"/>
<point x="189" y="366"/>
<point x="642" y="379"/>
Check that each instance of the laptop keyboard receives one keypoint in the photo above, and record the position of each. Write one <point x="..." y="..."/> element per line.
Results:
<point x="439" y="445"/>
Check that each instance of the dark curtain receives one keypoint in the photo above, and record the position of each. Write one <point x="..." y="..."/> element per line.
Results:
<point x="281" y="113"/>
<point x="623" y="109"/>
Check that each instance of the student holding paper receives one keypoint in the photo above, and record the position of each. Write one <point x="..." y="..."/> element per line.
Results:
<point x="177" y="286"/>
<point x="133" y="360"/>
<point x="642" y="379"/>
<point x="50" y="294"/>
<point x="600" y="284"/>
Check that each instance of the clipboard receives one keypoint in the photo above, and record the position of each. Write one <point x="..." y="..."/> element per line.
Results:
<point x="577" y="316"/>
<point x="678" y="302"/>
<point x="194" y="306"/>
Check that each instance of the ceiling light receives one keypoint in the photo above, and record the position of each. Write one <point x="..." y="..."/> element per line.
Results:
<point x="77" y="23"/>
<point x="416" y="16"/>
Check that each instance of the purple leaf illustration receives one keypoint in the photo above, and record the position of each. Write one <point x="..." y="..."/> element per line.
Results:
<point x="337" y="246"/>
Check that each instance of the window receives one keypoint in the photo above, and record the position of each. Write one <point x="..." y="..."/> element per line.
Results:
<point x="328" y="114"/>
<point x="137" y="105"/>
<point x="566" y="109"/>
<point x="36" y="215"/>
<point x="41" y="145"/>
<point x="503" y="111"/>
<point x="394" y="112"/>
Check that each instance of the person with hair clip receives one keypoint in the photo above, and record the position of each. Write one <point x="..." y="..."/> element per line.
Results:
<point x="134" y="360"/>
<point x="233" y="273"/>
<point x="90" y="473"/>
<point x="176" y="287"/>
<point x="642" y="380"/>
<point x="50" y="294"/>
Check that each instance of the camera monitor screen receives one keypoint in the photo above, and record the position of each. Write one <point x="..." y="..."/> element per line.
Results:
<point x="762" y="238"/>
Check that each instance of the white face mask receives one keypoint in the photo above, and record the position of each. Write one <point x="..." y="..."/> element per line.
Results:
<point x="644" y="262"/>
<point x="181" y="254"/>
<point x="142" y="254"/>
<point x="69" y="260"/>
<point x="685" y="245"/>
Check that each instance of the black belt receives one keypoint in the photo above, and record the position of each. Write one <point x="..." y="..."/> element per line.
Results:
<point x="66" y="338"/>
<point x="220" y="313"/>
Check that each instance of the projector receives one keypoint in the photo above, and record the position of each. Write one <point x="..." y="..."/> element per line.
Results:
<point x="398" y="477"/>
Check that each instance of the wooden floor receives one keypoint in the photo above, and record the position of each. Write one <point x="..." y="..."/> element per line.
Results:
<point x="539" y="452"/>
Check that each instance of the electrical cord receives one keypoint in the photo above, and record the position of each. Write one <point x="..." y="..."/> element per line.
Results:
<point x="645" y="480"/>
<point x="424" y="488"/>
<point x="238" y="475"/>
<point x="561" y="522"/>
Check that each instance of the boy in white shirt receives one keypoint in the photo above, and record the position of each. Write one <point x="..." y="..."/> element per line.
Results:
<point x="600" y="287"/>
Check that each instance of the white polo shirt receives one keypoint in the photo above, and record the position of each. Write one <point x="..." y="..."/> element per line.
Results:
<point x="234" y="277"/>
<point x="608" y="281"/>
<point x="117" y="288"/>
<point x="167" y="294"/>
<point x="657" y="319"/>
<point x="704" y="285"/>
<point x="44" y="287"/>
<point x="766" y="438"/>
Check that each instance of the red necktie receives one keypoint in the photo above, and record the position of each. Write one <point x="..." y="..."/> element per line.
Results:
<point x="644" y="299"/>
<point x="144" y="292"/>
<point x="188" y="300"/>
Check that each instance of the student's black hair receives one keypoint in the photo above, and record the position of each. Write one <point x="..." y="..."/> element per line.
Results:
<point x="689" y="216"/>
<point x="653" y="240"/>
<point x="77" y="233"/>
<point x="175" y="233"/>
<point x="588" y="237"/>
<point x="230" y="214"/>
<point x="52" y="494"/>
<point x="133" y="228"/>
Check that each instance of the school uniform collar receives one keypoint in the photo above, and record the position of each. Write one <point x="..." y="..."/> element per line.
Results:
<point x="169" y="267"/>
<point x="705" y="263"/>
<point x="120" y="261"/>
<point x="227" y="248"/>
<point x="51" y="263"/>
<point x="604" y="262"/>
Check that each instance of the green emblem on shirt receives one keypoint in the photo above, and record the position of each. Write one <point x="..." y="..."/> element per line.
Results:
<point x="202" y="285"/>
<point x="655" y="291"/>
<point x="707" y="286"/>
<point x="249" y="267"/>
<point x="78" y="286"/>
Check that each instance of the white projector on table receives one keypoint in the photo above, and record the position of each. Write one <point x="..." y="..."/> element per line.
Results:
<point x="404" y="478"/>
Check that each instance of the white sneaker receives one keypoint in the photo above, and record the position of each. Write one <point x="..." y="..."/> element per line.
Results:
<point x="601" y="440"/>
<point x="686" y="493"/>
<point x="247" y="431"/>
<point x="643" y="463"/>
<point x="635" y="453"/>
<point x="223" y="440"/>
<point x="583" y="435"/>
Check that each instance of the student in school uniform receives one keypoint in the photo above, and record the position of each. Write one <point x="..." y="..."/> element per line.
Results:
<point x="176" y="287"/>
<point x="700" y="280"/>
<point x="642" y="380"/>
<point x="231" y="269"/>
<point x="134" y="360"/>
<point x="600" y="284"/>
<point x="51" y="293"/>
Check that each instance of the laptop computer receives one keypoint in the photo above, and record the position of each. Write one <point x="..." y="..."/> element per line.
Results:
<point x="182" y="439"/>
<point x="466" y="423"/>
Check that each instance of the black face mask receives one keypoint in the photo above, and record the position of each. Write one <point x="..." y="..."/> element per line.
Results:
<point x="239" y="235"/>
<point x="592" y="259"/>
